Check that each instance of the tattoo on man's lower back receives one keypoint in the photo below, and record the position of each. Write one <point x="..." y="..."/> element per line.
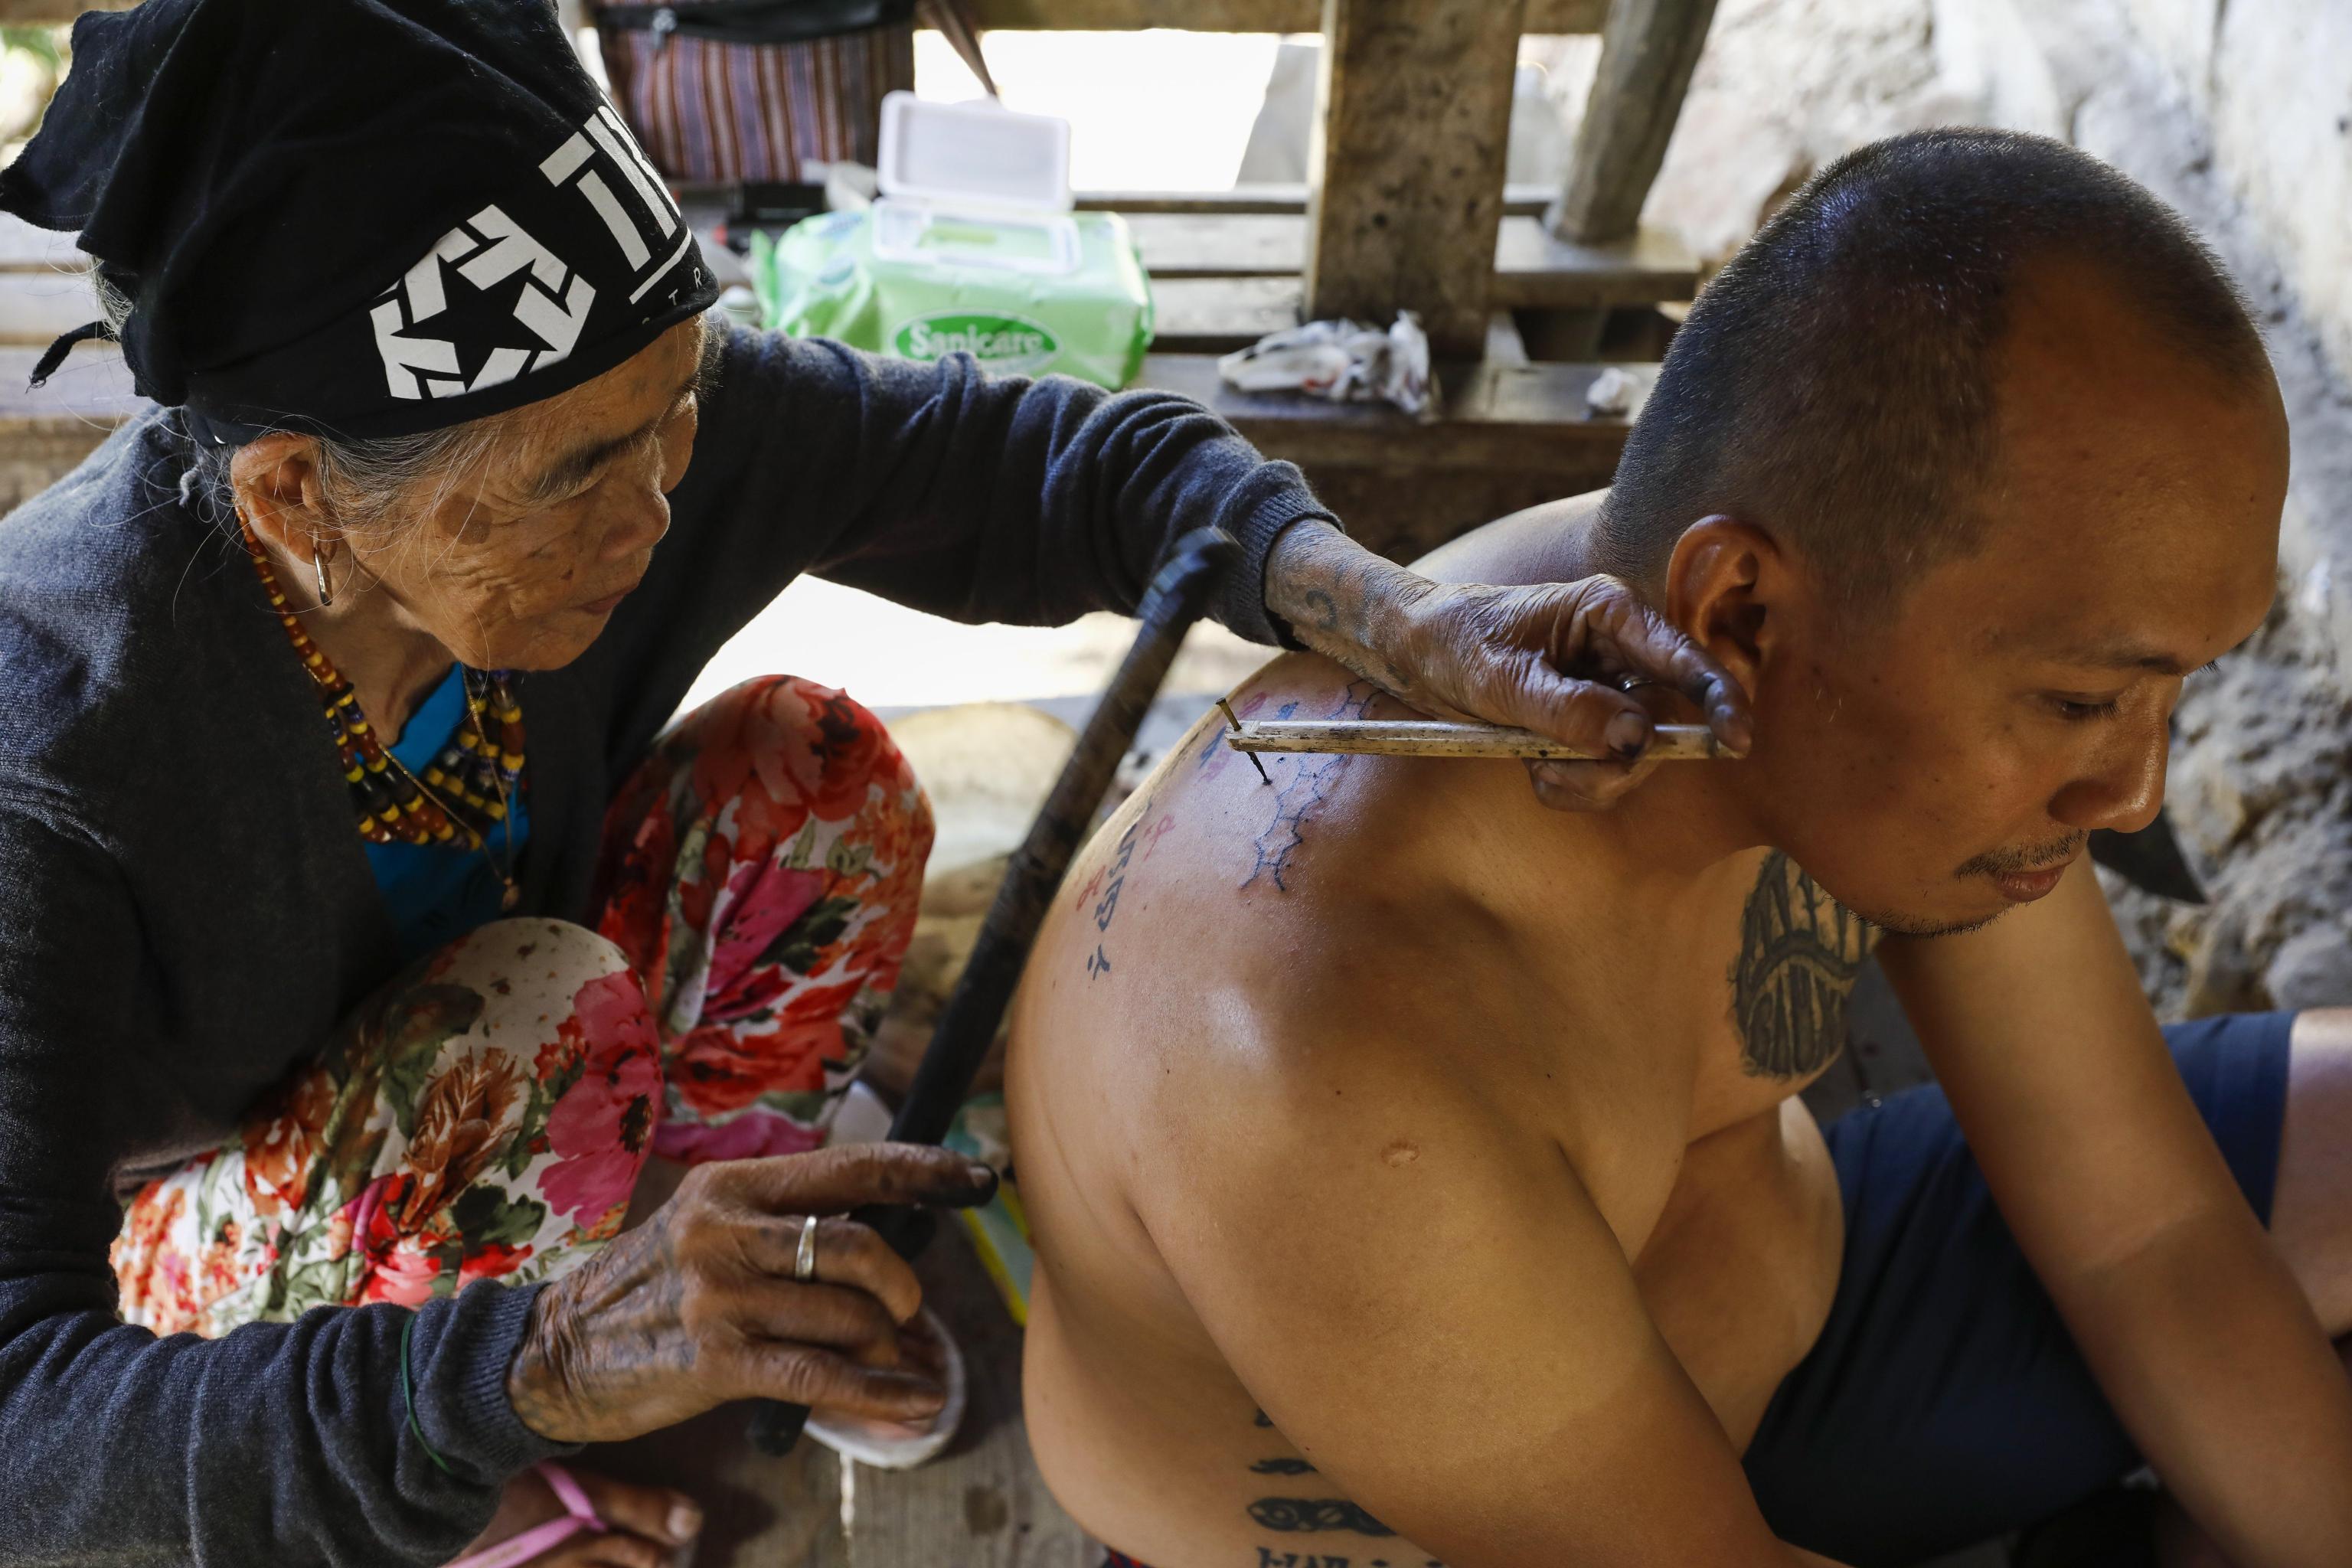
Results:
<point x="1300" y="1514"/>
<point x="1799" y="952"/>
<point x="1299" y="798"/>
<point x="1269" y="1558"/>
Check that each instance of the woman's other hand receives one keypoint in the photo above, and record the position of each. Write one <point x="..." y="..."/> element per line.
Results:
<point x="650" y="1527"/>
<point x="1548" y="658"/>
<point x="698" y="1305"/>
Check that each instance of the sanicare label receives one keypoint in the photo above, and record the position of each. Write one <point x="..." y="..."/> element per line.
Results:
<point x="999" y="343"/>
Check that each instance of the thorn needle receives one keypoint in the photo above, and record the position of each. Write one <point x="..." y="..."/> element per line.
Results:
<point x="1264" y="776"/>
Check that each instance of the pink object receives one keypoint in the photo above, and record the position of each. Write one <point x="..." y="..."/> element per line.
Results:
<point x="579" y="1514"/>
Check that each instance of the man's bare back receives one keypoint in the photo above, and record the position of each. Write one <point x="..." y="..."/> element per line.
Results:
<point x="1406" y="1157"/>
<point x="1174" y="1043"/>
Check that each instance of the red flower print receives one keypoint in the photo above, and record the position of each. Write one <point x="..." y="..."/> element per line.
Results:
<point x="493" y="1260"/>
<point x="600" y="1127"/>
<point x="767" y="899"/>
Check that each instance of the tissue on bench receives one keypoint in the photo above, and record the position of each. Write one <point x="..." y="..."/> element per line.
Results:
<point x="1343" y="361"/>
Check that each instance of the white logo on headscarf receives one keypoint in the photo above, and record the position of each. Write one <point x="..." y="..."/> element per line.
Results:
<point x="490" y="248"/>
<point x="651" y="221"/>
<point x="486" y="249"/>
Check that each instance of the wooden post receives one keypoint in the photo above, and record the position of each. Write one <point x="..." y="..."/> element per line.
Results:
<point x="1415" y="100"/>
<point x="1647" y="51"/>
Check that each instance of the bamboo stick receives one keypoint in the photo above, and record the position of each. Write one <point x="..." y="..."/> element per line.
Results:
<point x="1433" y="738"/>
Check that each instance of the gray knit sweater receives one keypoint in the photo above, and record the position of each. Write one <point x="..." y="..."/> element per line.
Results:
<point x="185" y="910"/>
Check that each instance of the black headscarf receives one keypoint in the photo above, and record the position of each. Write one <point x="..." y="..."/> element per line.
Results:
<point x="360" y="217"/>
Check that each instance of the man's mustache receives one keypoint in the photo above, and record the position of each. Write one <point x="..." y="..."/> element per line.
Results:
<point x="2002" y="862"/>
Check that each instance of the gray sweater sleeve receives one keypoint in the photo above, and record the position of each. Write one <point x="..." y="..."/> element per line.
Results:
<point x="978" y="497"/>
<point x="280" y="1443"/>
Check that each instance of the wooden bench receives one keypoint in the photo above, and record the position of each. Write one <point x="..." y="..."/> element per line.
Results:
<point x="1222" y="281"/>
<point x="1504" y="437"/>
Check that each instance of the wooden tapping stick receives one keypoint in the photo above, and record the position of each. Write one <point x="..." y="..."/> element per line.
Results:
<point x="1435" y="738"/>
<point x="1264" y="777"/>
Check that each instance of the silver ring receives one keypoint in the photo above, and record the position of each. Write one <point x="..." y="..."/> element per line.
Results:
<point x="804" y="1260"/>
<point x="1634" y="682"/>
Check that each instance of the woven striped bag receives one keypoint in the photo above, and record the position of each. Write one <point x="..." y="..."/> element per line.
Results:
<point x="726" y="90"/>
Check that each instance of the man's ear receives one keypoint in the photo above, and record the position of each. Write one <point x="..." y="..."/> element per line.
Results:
<point x="1724" y="583"/>
<point x="276" y="481"/>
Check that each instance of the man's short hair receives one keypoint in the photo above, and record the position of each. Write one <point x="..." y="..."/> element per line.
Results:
<point x="1835" y="381"/>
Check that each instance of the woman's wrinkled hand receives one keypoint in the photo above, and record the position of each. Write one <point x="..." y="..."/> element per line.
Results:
<point x="1557" y="658"/>
<point x="698" y="1306"/>
<point x="1553" y="657"/>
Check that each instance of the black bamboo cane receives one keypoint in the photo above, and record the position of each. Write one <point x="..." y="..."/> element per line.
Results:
<point x="967" y="1026"/>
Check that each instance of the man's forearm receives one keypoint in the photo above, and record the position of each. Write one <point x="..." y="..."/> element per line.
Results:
<point x="2211" y="1356"/>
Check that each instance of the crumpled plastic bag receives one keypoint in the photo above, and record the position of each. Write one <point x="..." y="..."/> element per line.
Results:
<point x="1343" y="361"/>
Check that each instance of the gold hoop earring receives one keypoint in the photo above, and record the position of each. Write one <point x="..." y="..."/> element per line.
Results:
<point x="319" y="569"/>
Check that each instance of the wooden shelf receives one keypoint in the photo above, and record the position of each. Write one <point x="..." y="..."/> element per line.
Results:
<point x="1531" y="268"/>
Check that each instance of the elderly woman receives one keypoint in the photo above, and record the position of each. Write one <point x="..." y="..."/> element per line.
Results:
<point x="367" y="932"/>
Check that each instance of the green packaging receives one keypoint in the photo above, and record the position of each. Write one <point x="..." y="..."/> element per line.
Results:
<point x="823" y="277"/>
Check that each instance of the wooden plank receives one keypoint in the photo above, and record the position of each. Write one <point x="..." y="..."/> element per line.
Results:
<point x="1526" y="418"/>
<point x="1518" y="201"/>
<point x="1531" y="268"/>
<point x="24" y="248"/>
<point x="1534" y="269"/>
<point x="1217" y="315"/>
<point x="1647" y="53"/>
<point x="35" y="308"/>
<point x="1415" y="106"/>
<point x="982" y="1504"/>
<point x="91" y="389"/>
<point x="1218" y="244"/>
<point x="1507" y="436"/>
<point x="1234" y="16"/>
<point x="1504" y="344"/>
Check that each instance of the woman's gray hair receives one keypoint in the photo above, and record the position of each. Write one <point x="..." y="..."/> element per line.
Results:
<point x="368" y="486"/>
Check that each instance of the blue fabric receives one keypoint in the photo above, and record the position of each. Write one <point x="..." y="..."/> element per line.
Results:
<point x="433" y="893"/>
<point x="1945" y="1402"/>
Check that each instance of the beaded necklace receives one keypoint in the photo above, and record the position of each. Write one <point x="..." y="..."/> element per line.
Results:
<point x="462" y="796"/>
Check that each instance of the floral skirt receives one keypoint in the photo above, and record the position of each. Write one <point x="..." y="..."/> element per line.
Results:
<point x="486" y="1115"/>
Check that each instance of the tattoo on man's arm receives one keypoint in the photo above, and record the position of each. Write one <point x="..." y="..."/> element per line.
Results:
<point x="1269" y="1558"/>
<point x="1800" y="951"/>
<point x="1282" y="1467"/>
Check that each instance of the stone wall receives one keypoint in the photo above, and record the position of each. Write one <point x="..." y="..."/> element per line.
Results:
<point x="2241" y="116"/>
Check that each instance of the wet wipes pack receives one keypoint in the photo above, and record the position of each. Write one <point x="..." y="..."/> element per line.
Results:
<point x="973" y="248"/>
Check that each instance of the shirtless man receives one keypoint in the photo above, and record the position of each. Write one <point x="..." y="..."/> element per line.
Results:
<point x="1418" y="1174"/>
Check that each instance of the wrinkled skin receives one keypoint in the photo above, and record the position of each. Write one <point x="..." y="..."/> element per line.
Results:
<point x="698" y="1306"/>
<point x="1546" y="657"/>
